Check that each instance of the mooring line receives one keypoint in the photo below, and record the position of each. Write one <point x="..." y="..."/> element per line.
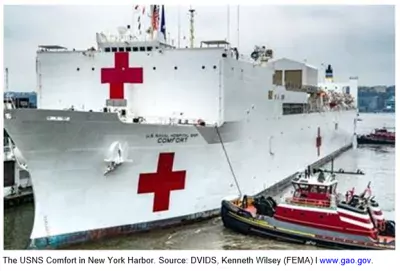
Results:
<point x="229" y="162"/>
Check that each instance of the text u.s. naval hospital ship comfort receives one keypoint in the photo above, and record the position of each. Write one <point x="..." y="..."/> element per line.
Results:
<point x="139" y="134"/>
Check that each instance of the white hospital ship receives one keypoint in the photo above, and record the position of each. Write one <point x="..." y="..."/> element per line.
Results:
<point x="134" y="135"/>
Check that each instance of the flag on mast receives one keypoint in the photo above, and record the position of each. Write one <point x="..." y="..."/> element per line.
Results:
<point x="163" y="27"/>
<point x="155" y="19"/>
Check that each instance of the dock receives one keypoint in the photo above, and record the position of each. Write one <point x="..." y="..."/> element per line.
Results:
<point x="23" y="196"/>
<point x="285" y="183"/>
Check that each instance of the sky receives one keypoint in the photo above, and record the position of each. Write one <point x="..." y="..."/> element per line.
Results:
<point x="355" y="40"/>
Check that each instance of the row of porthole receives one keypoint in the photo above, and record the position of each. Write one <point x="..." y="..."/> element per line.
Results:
<point x="154" y="68"/>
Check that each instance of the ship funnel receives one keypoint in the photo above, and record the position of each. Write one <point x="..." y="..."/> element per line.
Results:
<point x="329" y="73"/>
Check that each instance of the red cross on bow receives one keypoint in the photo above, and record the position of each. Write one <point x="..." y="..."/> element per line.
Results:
<point x="319" y="141"/>
<point x="121" y="74"/>
<point x="162" y="182"/>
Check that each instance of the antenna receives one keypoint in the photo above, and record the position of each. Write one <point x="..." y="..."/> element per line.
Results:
<point x="191" y="10"/>
<point x="238" y="25"/>
<point x="6" y="79"/>
<point x="227" y="23"/>
<point x="179" y="26"/>
<point x="133" y="20"/>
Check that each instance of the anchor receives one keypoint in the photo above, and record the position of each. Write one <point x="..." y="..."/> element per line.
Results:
<point x="116" y="162"/>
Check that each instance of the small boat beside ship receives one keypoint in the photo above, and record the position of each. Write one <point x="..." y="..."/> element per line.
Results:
<point x="17" y="184"/>
<point x="315" y="214"/>
<point x="379" y="136"/>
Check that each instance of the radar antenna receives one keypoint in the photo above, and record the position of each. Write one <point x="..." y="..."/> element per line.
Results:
<point x="261" y="54"/>
<point x="191" y="10"/>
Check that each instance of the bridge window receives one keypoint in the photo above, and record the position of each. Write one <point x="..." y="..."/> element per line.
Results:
<point x="304" y="187"/>
<point x="314" y="189"/>
<point x="142" y="49"/>
<point x="322" y="189"/>
<point x="128" y="49"/>
<point x="135" y="49"/>
<point x="107" y="50"/>
<point x="121" y="49"/>
<point x="114" y="49"/>
<point x="149" y="48"/>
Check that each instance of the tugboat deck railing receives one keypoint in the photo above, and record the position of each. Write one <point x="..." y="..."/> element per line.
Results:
<point x="323" y="204"/>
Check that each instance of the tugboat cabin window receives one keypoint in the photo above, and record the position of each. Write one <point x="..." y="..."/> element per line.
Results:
<point x="135" y="49"/>
<point x="149" y="48"/>
<point x="114" y="49"/>
<point x="303" y="187"/>
<point x="121" y="49"/>
<point x="142" y="49"/>
<point x="107" y="50"/>
<point x="128" y="49"/>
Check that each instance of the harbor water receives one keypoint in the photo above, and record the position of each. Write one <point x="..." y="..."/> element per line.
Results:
<point x="378" y="162"/>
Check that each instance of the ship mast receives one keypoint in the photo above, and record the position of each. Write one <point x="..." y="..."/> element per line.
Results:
<point x="179" y="26"/>
<point x="228" y="23"/>
<point x="238" y="26"/>
<point x="191" y="27"/>
<point x="6" y="79"/>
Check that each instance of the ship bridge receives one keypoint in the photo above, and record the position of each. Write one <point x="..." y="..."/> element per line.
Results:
<point x="128" y="43"/>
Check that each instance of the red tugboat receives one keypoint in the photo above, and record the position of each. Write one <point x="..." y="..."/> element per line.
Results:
<point x="316" y="214"/>
<point x="379" y="136"/>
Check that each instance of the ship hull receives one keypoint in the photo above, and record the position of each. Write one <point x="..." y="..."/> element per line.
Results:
<point x="243" y="222"/>
<point x="370" y="141"/>
<point x="76" y="202"/>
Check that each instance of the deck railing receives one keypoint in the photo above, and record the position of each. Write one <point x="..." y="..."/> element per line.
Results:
<point x="309" y="202"/>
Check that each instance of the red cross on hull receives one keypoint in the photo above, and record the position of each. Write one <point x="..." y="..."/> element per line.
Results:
<point x="162" y="182"/>
<point x="319" y="141"/>
<point x="121" y="74"/>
